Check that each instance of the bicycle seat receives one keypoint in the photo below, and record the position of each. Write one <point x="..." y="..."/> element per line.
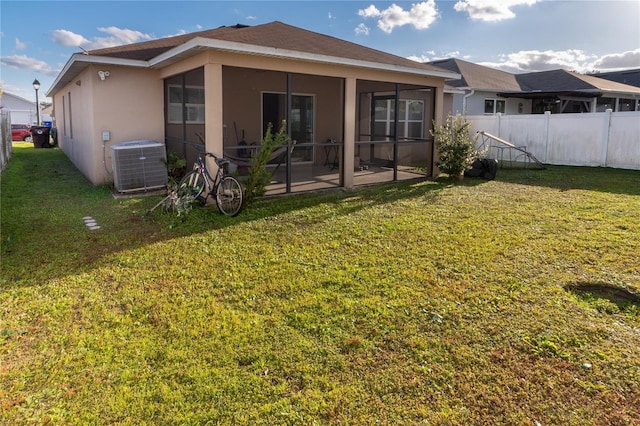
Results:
<point x="221" y="162"/>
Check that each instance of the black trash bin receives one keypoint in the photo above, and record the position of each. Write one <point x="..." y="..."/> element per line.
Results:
<point x="40" y="136"/>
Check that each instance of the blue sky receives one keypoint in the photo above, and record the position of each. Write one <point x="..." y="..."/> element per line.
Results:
<point x="38" y="37"/>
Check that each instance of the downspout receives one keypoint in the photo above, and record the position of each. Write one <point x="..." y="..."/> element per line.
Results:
<point x="464" y="101"/>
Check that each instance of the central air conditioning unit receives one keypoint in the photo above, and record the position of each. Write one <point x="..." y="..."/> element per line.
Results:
<point x="139" y="165"/>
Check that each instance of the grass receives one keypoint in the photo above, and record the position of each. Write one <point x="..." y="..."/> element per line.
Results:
<point x="418" y="302"/>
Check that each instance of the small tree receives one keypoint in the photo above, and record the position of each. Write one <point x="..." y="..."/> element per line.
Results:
<point x="259" y="177"/>
<point x="455" y="146"/>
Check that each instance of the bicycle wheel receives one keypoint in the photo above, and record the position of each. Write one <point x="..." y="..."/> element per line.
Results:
<point x="192" y="186"/>
<point x="229" y="196"/>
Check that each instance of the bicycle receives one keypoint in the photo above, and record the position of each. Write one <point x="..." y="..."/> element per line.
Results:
<point x="198" y="185"/>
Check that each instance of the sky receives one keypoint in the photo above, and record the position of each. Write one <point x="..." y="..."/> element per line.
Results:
<point x="38" y="37"/>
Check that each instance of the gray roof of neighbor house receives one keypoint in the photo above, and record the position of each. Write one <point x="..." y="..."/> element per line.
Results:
<point x="271" y="39"/>
<point x="563" y="80"/>
<point x="476" y="76"/>
<point x="534" y="84"/>
<point x="630" y="77"/>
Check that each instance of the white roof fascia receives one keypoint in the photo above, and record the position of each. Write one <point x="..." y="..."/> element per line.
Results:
<point x="89" y="59"/>
<point x="619" y="93"/>
<point x="201" y="42"/>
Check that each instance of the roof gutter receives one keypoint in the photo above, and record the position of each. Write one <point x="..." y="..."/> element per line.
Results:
<point x="252" y="49"/>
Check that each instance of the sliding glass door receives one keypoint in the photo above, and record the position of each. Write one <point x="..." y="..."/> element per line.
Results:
<point x="302" y="121"/>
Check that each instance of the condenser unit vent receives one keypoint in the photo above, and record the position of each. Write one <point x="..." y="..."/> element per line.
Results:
<point x="139" y="165"/>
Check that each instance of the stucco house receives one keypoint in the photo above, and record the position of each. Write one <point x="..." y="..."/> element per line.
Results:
<point x="357" y="115"/>
<point x="484" y="90"/>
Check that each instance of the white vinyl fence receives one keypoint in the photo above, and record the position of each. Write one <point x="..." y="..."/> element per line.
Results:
<point x="607" y="139"/>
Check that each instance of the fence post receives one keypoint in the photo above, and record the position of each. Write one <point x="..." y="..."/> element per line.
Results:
<point x="6" y="147"/>
<point x="605" y="137"/>
<point x="547" y="116"/>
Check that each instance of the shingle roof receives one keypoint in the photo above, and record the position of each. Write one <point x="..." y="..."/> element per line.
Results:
<point x="563" y="80"/>
<point x="275" y="35"/>
<point x="274" y="39"/>
<point x="477" y="76"/>
<point x="630" y="77"/>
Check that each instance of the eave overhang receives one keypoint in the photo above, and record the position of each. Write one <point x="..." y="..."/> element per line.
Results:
<point x="80" y="61"/>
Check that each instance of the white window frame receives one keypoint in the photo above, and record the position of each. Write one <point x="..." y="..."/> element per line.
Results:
<point x="403" y="122"/>
<point x="494" y="108"/>
<point x="195" y="111"/>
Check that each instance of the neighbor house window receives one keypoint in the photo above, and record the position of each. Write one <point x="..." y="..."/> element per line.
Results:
<point x="189" y="101"/>
<point x="493" y="106"/>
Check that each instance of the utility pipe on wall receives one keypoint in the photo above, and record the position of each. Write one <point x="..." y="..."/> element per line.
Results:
<point x="464" y="101"/>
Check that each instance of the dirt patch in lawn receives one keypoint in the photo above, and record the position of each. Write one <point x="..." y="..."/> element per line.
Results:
<point x="622" y="297"/>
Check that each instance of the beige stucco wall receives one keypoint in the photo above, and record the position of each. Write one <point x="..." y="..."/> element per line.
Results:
<point x="128" y="104"/>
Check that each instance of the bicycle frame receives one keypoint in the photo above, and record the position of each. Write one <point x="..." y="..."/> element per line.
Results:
<point x="225" y="189"/>
<point x="201" y="166"/>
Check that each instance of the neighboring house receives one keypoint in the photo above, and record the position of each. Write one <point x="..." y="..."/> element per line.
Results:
<point x="484" y="90"/>
<point x="476" y="91"/>
<point x="229" y="83"/>
<point x="22" y="110"/>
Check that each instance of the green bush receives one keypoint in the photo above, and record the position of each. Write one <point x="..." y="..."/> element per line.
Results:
<point x="455" y="146"/>
<point x="259" y="177"/>
<point x="176" y="166"/>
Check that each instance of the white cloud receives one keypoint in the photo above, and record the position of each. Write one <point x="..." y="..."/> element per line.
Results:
<point x="574" y="60"/>
<point x="369" y="12"/>
<point x="68" y="39"/>
<point x="420" y="16"/>
<point x="490" y="10"/>
<point x="23" y="62"/>
<point x="179" y="33"/>
<point x="20" y="45"/>
<point x="115" y="37"/>
<point x="421" y="58"/>
<point x="361" y="29"/>
<point x="432" y="55"/>
<point x="618" y="61"/>
<point x="118" y="36"/>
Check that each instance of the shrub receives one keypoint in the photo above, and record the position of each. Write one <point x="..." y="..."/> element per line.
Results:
<point x="455" y="146"/>
<point x="259" y="177"/>
<point x="176" y="166"/>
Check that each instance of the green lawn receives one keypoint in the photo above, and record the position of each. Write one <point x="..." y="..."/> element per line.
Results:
<point x="413" y="303"/>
